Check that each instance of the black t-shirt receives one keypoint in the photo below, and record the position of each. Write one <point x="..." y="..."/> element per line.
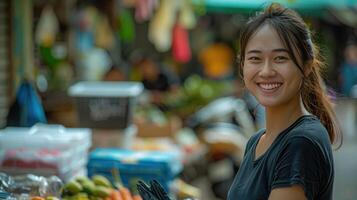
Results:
<point x="301" y="155"/>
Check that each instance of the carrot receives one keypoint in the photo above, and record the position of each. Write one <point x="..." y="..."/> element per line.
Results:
<point x="137" y="197"/>
<point x="125" y="193"/>
<point x="108" y="198"/>
<point x="37" y="198"/>
<point x="115" y="195"/>
<point x="118" y="183"/>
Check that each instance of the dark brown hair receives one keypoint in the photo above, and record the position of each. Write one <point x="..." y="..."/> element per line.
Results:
<point x="295" y="35"/>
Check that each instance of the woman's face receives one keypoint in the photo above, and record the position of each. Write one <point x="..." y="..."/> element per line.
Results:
<point x="269" y="72"/>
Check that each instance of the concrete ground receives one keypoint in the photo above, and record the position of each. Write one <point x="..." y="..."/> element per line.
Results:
<point x="345" y="187"/>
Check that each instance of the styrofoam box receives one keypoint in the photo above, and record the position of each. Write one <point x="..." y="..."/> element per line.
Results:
<point x="105" y="104"/>
<point x="47" y="148"/>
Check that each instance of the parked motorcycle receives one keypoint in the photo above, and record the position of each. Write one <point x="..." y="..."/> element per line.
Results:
<point x="225" y="125"/>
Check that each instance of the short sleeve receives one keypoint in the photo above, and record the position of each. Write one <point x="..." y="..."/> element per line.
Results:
<point x="299" y="163"/>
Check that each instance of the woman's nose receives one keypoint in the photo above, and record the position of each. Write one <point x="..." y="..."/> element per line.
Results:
<point x="267" y="69"/>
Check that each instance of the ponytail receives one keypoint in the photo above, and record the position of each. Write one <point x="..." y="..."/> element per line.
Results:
<point x="317" y="102"/>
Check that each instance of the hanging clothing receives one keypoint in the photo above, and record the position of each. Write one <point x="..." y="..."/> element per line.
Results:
<point x="180" y="44"/>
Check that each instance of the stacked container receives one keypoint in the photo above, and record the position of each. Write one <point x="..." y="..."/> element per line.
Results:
<point x="107" y="107"/>
<point x="45" y="150"/>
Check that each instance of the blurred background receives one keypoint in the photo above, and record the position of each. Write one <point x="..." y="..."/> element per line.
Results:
<point x="88" y="84"/>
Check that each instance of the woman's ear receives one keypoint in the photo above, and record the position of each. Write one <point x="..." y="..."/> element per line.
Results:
<point x="308" y="68"/>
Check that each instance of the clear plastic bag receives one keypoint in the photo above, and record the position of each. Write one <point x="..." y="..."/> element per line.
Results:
<point x="30" y="185"/>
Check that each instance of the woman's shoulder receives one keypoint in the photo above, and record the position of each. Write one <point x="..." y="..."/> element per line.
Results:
<point x="310" y="133"/>
<point x="310" y="128"/>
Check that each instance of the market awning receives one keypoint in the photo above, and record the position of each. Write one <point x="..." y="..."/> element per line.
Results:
<point x="346" y="16"/>
<point x="309" y="7"/>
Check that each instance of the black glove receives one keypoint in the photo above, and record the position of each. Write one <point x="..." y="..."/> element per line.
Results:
<point x="154" y="192"/>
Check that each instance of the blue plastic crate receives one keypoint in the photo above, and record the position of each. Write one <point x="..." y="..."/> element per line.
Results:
<point x="134" y="165"/>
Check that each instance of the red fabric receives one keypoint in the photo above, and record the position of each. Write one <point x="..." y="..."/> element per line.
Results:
<point x="181" y="50"/>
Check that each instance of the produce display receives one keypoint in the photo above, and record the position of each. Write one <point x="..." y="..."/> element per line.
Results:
<point x="42" y="198"/>
<point x="98" y="188"/>
<point x="195" y="93"/>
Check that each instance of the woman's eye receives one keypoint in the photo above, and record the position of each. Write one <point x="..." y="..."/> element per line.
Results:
<point x="280" y="58"/>
<point x="254" y="58"/>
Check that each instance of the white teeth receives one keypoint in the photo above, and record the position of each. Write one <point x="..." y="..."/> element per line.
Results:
<point x="269" y="86"/>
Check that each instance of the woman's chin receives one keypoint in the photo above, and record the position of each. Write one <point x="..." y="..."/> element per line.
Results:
<point x="268" y="102"/>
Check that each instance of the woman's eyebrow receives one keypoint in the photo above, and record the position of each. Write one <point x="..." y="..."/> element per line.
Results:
<point x="254" y="51"/>
<point x="281" y="50"/>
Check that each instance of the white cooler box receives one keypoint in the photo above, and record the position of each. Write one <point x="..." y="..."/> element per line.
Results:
<point x="105" y="104"/>
<point x="44" y="150"/>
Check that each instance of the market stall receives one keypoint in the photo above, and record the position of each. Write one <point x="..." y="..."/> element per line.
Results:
<point x="132" y="98"/>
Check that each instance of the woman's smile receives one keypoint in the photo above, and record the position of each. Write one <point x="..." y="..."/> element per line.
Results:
<point x="269" y="86"/>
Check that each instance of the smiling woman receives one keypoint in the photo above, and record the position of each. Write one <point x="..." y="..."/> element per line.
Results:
<point x="292" y="157"/>
<point x="269" y="72"/>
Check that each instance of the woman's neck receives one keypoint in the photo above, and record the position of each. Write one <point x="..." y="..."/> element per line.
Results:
<point x="281" y="117"/>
